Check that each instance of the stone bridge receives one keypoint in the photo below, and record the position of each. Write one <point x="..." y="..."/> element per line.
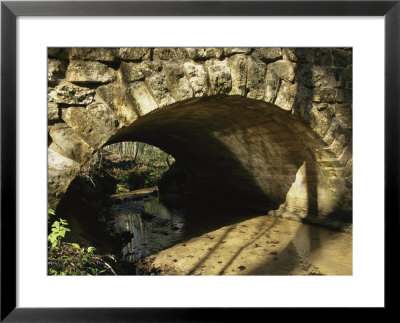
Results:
<point x="265" y="127"/>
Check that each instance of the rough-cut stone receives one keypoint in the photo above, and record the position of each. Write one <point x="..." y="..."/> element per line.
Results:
<point x="286" y="95"/>
<point x="268" y="54"/>
<point x="61" y="171"/>
<point x="139" y="71"/>
<point x="117" y="98"/>
<point x="338" y="144"/>
<point x="320" y="76"/>
<point x="135" y="54"/>
<point x="344" y="95"/>
<point x="324" y="95"/>
<point x="322" y="56"/>
<point x="302" y="102"/>
<point x="69" y="93"/>
<point x="323" y="120"/>
<point x="197" y="77"/>
<point x="98" y="54"/>
<point x="344" y="114"/>
<point x="170" y="53"/>
<point x="96" y="123"/>
<point x="341" y="58"/>
<point x="335" y="129"/>
<point x="255" y="85"/>
<point x="89" y="72"/>
<point x="272" y="83"/>
<point x="219" y="75"/>
<point x="286" y="70"/>
<point x="142" y="97"/>
<point x="178" y="84"/>
<point x="73" y="145"/>
<point x="157" y="84"/>
<point x="56" y="69"/>
<point x="204" y="53"/>
<point x="62" y="53"/>
<point x="52" y="112"/>
<point x="238" y="67"/>
<point x="299" y="55"/>
<point x="232" y="50"/>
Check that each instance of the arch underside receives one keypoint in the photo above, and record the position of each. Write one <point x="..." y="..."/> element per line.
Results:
<point x="245" y="151"/>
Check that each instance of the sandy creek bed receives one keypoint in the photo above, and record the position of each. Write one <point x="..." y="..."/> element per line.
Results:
<point x="194" y="239"/>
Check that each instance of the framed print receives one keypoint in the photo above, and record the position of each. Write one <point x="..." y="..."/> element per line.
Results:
<point x="204" y="159"/>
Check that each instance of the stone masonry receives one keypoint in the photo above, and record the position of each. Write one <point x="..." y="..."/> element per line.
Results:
<point x="102" y="95"/>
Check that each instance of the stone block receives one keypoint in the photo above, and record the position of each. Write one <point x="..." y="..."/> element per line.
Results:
<point x="54" y="52"/>
<point x="256" y="71"/>
<point x="178" y="84"/>
<point x="133" y="72"/>
<point x="272" y="82"/>
<point x="117" y="98"/>
<point x="323" y="121"/>
<point x="302" y="102"/>
<point x="231" y="50"/>
<point x="170" y="53"/>
<point x="322" y="56"/>
<point x="219" y="75"/>
<point x="56" y="69"/>
<point x="52" y="112"/>
<point x="324" y="95"/>
<point x="94" y="53"/>
<point x="197" y="77"/>
<point x="96" y="123"/>
<point x="268" y="54"/>
<point x="320" y="76"/>
<point x="145" y="102"/>
<point x="338" y="144"/>
<point x="286" y="70"/>
<point x="157" y="84"/>
<point x="68" y="93"/>
<point x="299" y="55"/>
<point x="286" y="95"/>
<point x="341" y="57"/>
<point x="71" y="143"/>
<point x="238" y="68"/>
<point x="61" y="171"/>
<point x="204" y="53"/>
<point x="134" y="53"/>
<point x="89" y="72"/>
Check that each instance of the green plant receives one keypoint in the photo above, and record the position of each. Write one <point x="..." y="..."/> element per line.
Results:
<point x="50" y="212"/>
<point x="58" y="231"/>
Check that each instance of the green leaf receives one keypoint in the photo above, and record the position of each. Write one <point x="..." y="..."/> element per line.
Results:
<point x="62" y="233"/>
<point x="63" y="222"/>
<point x="51" y="211"/>
<point x="75" y="245"/>
<point x="53" y="238"/>
<point x="91" y="249"/>
<point x="56" y="224"/>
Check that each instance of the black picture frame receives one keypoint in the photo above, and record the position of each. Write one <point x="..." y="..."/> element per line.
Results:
<point x="10" y="10"/>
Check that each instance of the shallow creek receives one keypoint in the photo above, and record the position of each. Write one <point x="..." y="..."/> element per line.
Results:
<point x="184" y="236"/>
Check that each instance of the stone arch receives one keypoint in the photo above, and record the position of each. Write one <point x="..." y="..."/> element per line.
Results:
<point x="103" y="95"/>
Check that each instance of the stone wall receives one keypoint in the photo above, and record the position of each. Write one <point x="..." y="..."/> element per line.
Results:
<point x="99" y="95"/>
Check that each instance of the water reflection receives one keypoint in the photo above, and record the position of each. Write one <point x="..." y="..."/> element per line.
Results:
<point x="220" y="240"/>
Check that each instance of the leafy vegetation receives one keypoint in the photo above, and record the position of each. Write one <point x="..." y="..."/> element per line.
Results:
<point x="72" y="259"/>
<point x="58" y="230"/>
<point x="126" y="166"/>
